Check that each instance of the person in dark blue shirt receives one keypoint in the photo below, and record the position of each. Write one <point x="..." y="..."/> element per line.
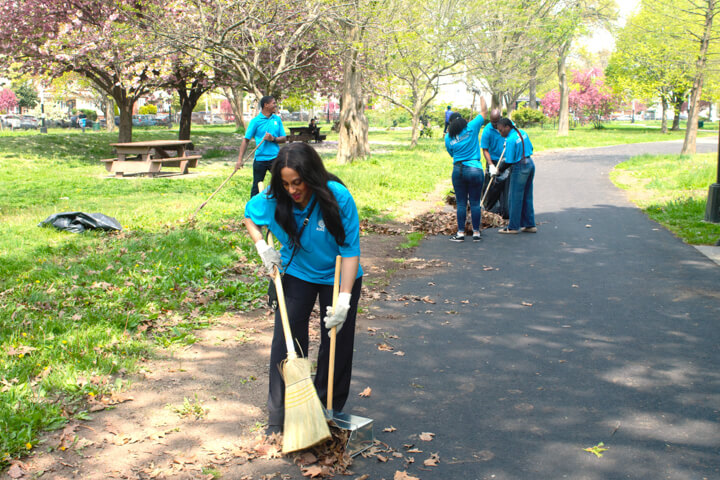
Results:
<point x="301" y="190"/>
<point x="518" y="155"/>
<point x="269" y="133"/>
<point x="448" y="112"/>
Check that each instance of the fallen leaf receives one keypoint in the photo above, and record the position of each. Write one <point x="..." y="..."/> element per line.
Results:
<point x="16" y="471"/>
<point x="427" y="299"/>
<point x="366" y="393"/>
<point x="389" y="429"/>
<point x="363" y="477"/>
<point x="381" y="458"/>
<point x="399" y="354"/>
<point x="527" y="304"/>
<point x="312" y="471"/>
<point x="403" y="476"/>
<point x="597" y="450"/>
<point x="427" y="436"/>
<point x="384" y="347"/>
<point x="433" y="460"/>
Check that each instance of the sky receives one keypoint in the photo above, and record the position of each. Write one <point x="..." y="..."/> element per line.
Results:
<point x="602" y="40"/>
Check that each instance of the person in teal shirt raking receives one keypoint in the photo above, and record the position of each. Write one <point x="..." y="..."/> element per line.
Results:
<point x="268" y="131"/>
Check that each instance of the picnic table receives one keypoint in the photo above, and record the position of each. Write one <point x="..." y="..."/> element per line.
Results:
<point x="303" y="134"/>
<point x="147" y="158"/>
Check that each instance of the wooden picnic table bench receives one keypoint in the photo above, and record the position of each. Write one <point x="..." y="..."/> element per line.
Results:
<point x="149" y="157"/>
<point x="303" y="134"/>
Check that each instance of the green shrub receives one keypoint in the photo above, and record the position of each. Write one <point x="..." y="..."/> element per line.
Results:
<point x="525" y="117"/>
<point x="148" y="109"/>
<point x="89" y="113"/>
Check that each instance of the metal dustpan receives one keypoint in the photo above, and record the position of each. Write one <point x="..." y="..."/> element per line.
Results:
<point x="360" y="429"/>
<point x="361" y="435"/>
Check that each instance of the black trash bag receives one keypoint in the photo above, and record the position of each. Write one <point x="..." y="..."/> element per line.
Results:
<point x="78" y="222"/>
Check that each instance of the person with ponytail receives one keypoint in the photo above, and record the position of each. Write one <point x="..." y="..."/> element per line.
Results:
<point x="314" y="218"/>
<point x="518" y="155"/>
<point x="463" y="144"/>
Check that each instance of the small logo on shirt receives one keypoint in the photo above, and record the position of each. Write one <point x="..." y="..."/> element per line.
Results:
<point x="320" y="226"/>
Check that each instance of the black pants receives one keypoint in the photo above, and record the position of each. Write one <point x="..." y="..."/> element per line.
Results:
<point x="259" y="170"/>
<point x="300" y="299"/>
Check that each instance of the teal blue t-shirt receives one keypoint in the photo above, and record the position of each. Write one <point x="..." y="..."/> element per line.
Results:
<point x="257" y="128"/>
<point x="492" y="141"/>
<point x="466" y="146"/>
<point x="314" y="260"/>
<point x="514" y="146"/>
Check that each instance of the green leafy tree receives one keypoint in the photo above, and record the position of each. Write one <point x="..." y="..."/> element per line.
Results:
<point x="649" y="61"/>
<point x="27" y="96"/>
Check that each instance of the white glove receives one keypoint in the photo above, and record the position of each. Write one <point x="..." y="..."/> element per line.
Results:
<point x="270" y="256"/>
<point x="493" y="170"/>
<point x="337" y="318"/>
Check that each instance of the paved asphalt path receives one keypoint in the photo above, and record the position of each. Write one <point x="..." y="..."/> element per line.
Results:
<point x="602" y="327"/>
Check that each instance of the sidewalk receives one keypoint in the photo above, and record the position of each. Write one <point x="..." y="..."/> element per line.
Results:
<point x="527" y="349"/>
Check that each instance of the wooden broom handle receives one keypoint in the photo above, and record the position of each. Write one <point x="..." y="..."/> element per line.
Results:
<point x="283" y="315"/>
<point x="333" y="336"/>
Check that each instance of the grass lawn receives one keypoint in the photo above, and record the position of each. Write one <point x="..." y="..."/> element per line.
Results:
<point x="77" y="311"/>
<point x="672" y="190"/>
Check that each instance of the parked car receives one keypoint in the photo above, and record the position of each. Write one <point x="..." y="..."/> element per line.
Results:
<point x="623" y="118"/>
<point x="143" y="120"/>
<point x="214" y="119"/>
<point x="28" y="122"/>
<point x="10" y="121"/>
<point x="163" y="119"/>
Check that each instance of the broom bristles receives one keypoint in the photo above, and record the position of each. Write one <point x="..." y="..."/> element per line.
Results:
<point x="305" y="423"/>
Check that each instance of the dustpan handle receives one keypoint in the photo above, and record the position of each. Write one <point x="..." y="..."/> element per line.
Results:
<point x="333" y="336"/>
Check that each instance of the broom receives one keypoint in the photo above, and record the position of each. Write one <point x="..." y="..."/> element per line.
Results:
<point x="192" y="217"/>
<point x="305" y="423"/>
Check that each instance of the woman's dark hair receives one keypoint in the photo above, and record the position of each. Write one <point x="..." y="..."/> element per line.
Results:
<point x="506" y="122"/>
<point x="303" y="158"/>
<point x="456" y="124"/>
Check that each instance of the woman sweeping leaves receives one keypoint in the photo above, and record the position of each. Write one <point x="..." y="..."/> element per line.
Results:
<point x="314" y="217"/>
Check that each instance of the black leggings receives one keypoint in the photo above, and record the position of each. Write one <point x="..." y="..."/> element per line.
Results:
<point x="300" y="299"/>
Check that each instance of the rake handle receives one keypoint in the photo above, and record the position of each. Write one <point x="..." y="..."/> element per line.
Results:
<point x="482" y="200"/>
<point x="333" y="337"/>
<point x="220" y="187"/>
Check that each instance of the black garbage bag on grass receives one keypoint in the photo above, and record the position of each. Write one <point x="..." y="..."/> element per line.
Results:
<point x="78" y="222"/>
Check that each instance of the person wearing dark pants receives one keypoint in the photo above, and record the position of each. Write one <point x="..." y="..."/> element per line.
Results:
<point x="461" y="142"/>
<point x="492" y="143"/>
<point x="300" y="299"/>
<point x="314" y="218"/>
<point x="268" y="131"/>
<point x="518" y="154"/>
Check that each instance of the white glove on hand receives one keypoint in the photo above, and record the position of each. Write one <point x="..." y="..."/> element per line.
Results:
<point x="270" y="256"/>
<point x="337" y="318"/>
<point x="493" y="170"/>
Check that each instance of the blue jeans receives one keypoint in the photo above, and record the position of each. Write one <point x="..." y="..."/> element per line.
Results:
<point x="259" y="170"/>
<point x="468" y="183"/>
<point x="522" y="212"/>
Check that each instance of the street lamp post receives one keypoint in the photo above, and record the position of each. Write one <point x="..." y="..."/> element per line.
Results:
<point x="712" y="210"/>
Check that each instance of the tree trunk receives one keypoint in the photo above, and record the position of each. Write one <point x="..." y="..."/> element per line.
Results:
<point x="663" y="124"/>
<point x="109" y="114"/>
<point x="532" y="89"/>
<point x="125" y="129"/>
<point x="564" y="114"/>
<point x="188" y="100"/>
<point x="353" y="140"/>
<point x="235" y="96"/>
<point x="677" y="105"/>
<point x="689" y="143"/>
<point x="496" y="100"/>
